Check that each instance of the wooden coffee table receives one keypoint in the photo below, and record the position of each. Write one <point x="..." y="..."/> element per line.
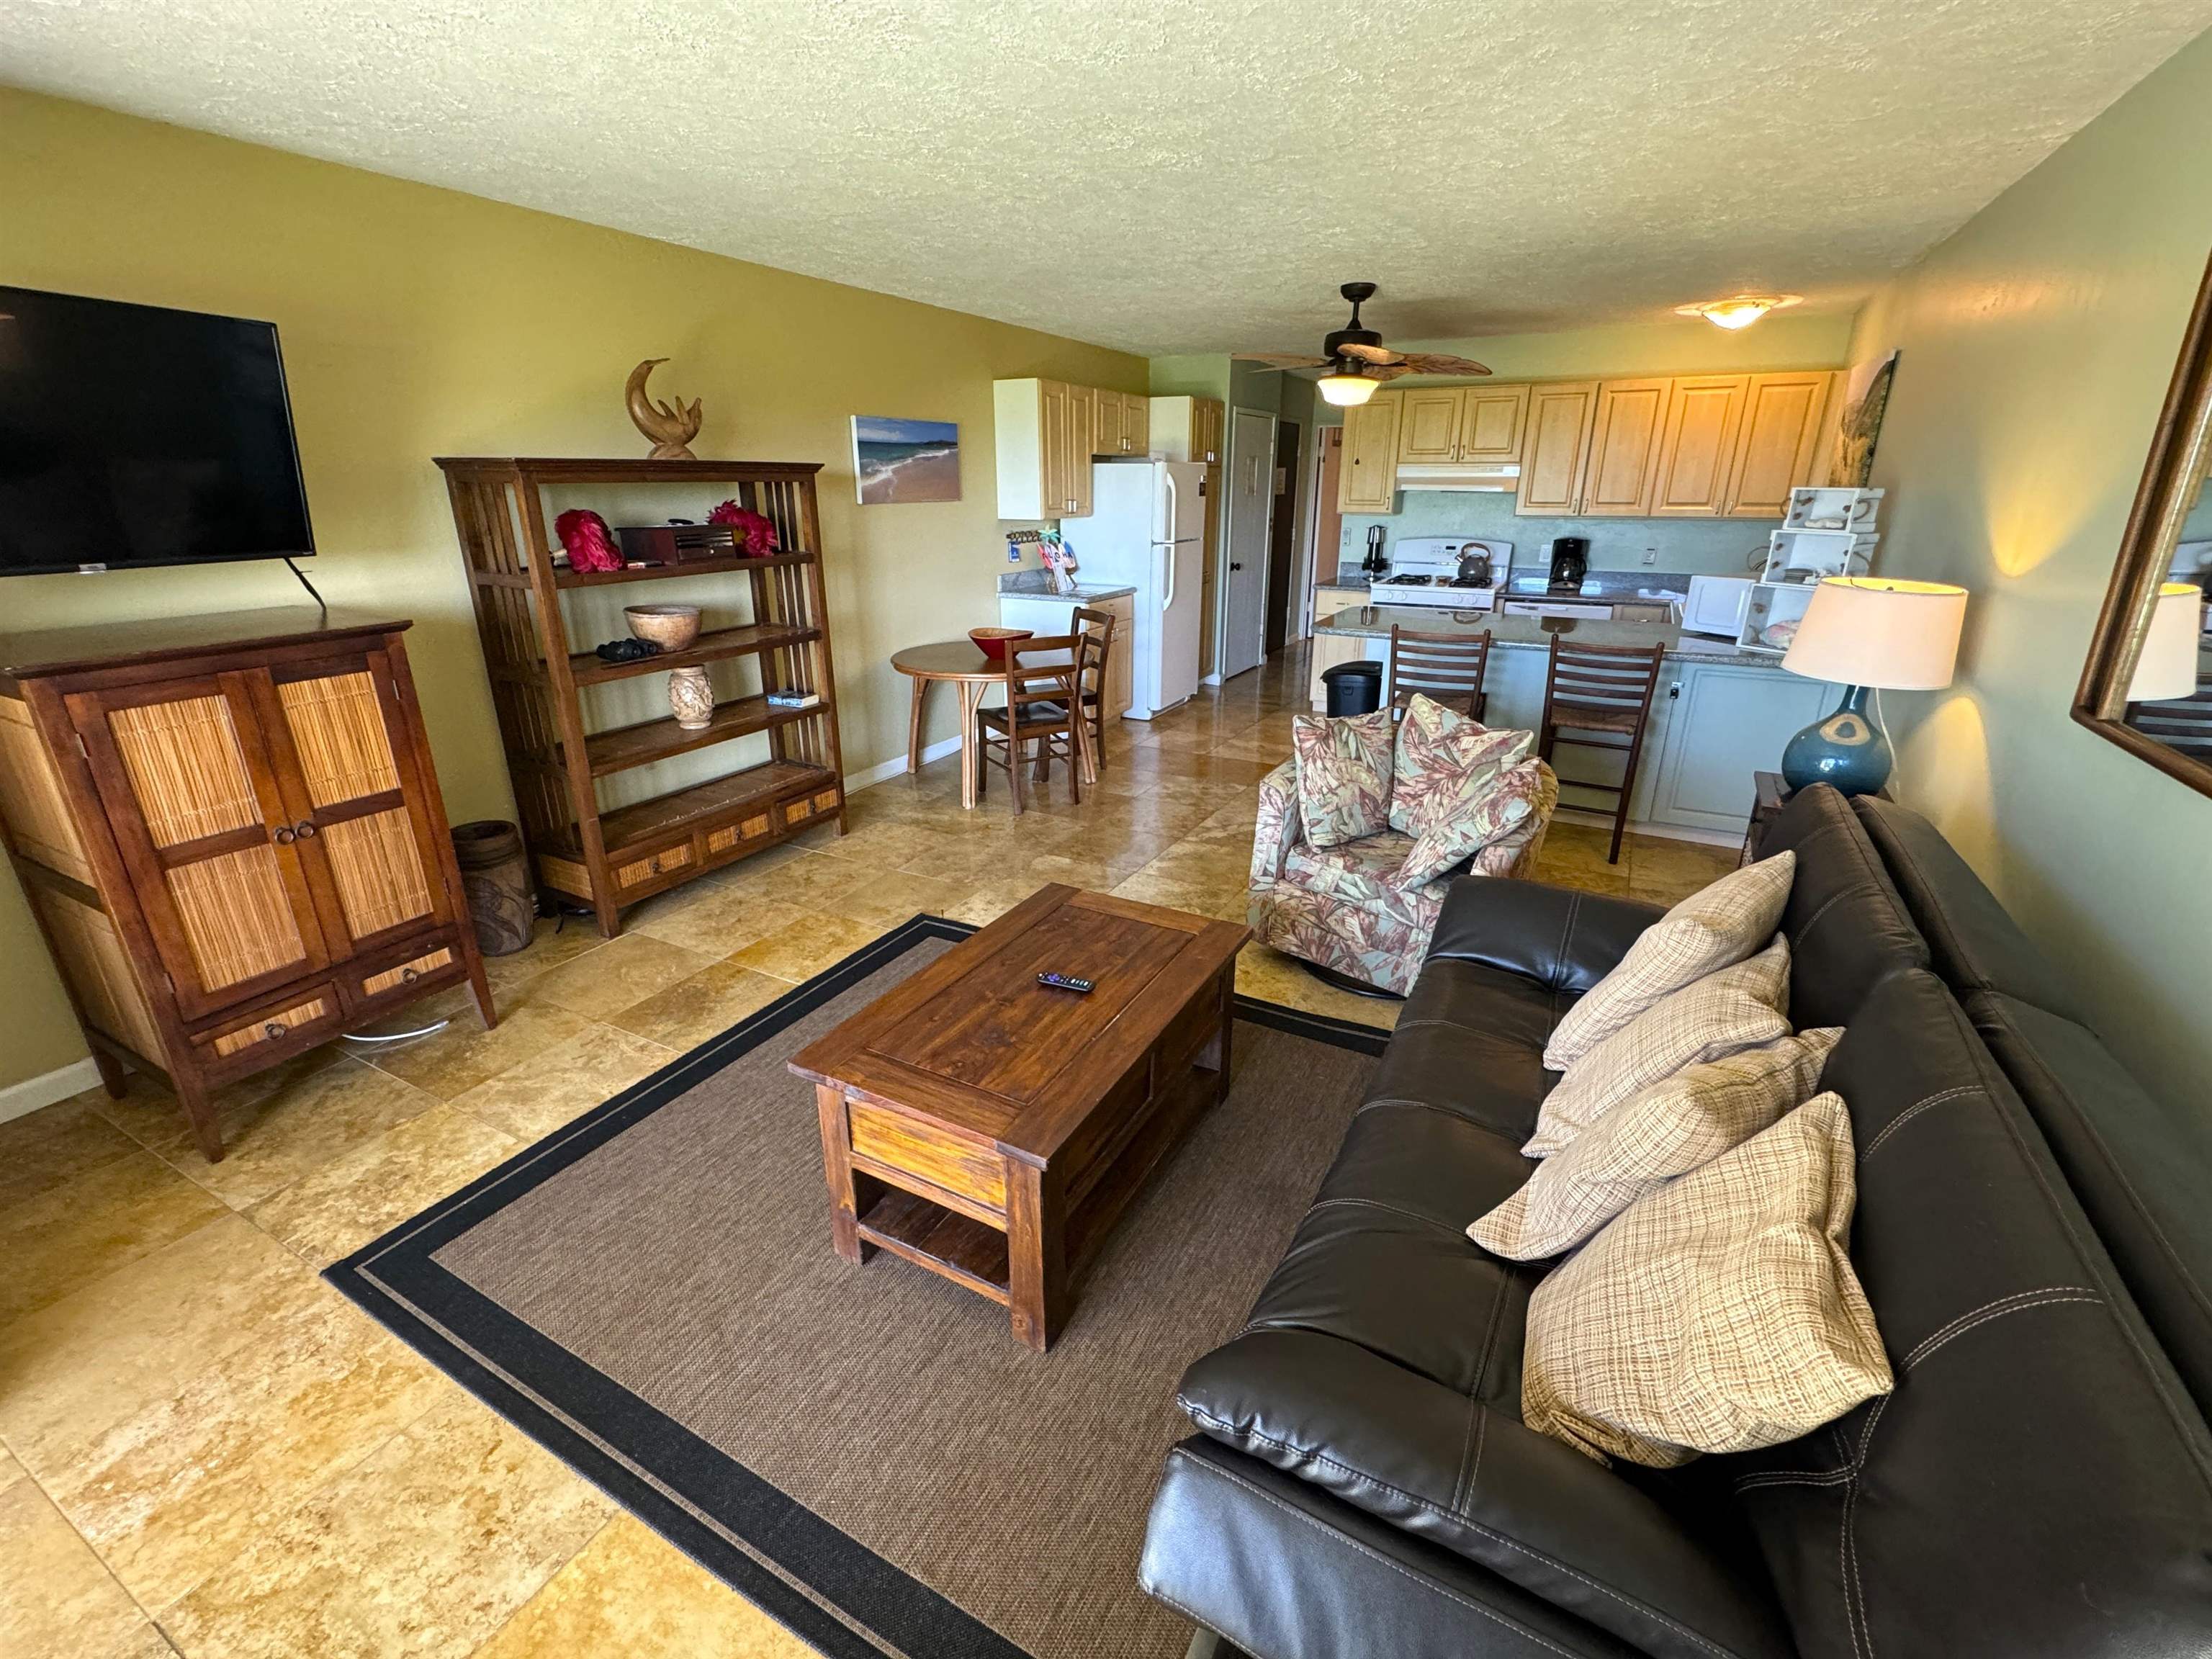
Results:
<point x="991" y="1130"/>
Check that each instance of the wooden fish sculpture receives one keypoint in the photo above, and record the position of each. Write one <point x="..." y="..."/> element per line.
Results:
<point x="671" y="429"/>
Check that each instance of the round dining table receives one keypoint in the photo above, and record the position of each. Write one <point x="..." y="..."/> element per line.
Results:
<point x="962" y="664"/>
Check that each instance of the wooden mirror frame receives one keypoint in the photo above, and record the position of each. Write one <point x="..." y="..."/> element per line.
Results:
<point x="2181" y="451"/>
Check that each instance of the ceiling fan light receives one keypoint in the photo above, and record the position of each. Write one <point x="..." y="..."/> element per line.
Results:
<point x="1346" y="390"/>
<point x="1738" y="311"/>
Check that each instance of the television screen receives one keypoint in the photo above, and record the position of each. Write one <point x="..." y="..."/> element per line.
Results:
<point x="135" y="436"/>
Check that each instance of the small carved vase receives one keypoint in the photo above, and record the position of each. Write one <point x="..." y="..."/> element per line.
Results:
<point x="690" y="698"/>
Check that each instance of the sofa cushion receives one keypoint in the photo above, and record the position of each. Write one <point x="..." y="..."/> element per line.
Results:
<point x="1470" y="1043"/>
<point x="1358" y="871"/>
<point x="1443" y="761"/>
<point x="1716" y="1315"/>
<point x="1714" y="928"/>
<point x="1736" y="1008"/>
<point x="2038" y="1483"/>
<point x="1973" y="945"/>
<point x="1343" y="775"/>
<point x="2140" y="1168"/>
<point x="1504" y="801"/>
<point x="1677" y="1125"/>
<point x="1559" y="939"/>
<point x="1847" y="928"/>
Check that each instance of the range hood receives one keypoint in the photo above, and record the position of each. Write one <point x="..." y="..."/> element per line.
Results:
<point x="1496" y="477"/>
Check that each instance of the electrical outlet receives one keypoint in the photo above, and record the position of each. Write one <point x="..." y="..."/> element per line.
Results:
<point x="1650" y="556"/>
<point x="1013" y="554"/>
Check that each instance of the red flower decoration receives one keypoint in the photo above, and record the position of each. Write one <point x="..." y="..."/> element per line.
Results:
<point x="589" y="543"/>
<point x="756" y="535"/>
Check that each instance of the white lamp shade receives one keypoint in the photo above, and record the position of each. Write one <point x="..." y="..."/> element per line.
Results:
<point x="1869" y="630"/>
<point x="1346" y="391"/>
<point x="2168" y="667"/>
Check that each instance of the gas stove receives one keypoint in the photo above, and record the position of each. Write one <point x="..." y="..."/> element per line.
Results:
<point x="1425" y="570"/>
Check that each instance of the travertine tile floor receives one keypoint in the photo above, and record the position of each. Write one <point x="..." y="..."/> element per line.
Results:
<point x="204" y="1450"/>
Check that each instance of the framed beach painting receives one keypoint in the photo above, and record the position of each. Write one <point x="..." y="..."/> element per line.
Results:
<point x="897" y="461"/>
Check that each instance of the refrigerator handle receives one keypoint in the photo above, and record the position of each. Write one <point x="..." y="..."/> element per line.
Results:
<point x="1168" y="556"/>
<point x="1168" y="530"/>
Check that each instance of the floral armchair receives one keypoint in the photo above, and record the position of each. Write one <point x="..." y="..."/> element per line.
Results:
<point x="1339" y="907"/>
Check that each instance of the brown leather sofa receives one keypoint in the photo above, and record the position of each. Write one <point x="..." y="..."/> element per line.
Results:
<point x="2033" y="1232"/>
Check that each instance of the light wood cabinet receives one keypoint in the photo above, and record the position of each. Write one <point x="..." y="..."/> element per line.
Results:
<point x="1121" y="674"/>
<point x="1697" y="449"/>
<point x="1560" y="414"/>
<point x="236" y="848"/>
<point x="1492" y="422"/>
<point x="1185" y="428"/>
<point x="1045" y="434"/>
<point x="1778" y="443"/>
<point x="1624" y="451"/>
<point x="1428" y="425"/>
<point x="1136" y="424"/>
<point x="1105" y="421"/>
<point x="1367" y="479"/>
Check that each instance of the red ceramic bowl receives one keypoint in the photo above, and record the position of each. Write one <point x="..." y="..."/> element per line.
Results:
<point x="992" y="641"/>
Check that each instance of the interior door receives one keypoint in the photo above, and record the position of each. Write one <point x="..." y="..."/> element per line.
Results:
<point x="339" y="745"/>
<point x="1251" y="519"/>
<point x="188" y="790"/>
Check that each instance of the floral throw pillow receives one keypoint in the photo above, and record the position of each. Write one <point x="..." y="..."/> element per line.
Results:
<point x="1344" y="775"/>
<point x="1495" y="804"/>
<point x="1443" y="758"/>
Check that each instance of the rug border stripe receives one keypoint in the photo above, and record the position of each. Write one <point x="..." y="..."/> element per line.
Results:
<point x="470" y="1338"/>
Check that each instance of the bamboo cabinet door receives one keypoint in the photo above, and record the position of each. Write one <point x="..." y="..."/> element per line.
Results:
<point x="195" y="806"/>
<point x="339" y="743"/>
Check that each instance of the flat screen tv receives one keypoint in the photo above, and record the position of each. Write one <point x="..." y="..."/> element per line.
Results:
<point x="132" y="435"/>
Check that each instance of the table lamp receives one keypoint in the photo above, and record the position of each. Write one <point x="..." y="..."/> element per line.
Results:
<point x="2167" y="668"/>
<point x="1867" y="634"/>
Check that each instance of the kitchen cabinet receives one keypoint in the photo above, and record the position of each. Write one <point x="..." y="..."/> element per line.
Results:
<point x="1697" y="446"/>
<point x="1105" y="421"/>
<point x="1367" y="481"/>
<point x="1558" y="435"/>
<point x="1624" y="448"/>
<point x="1049" y="614"/>
<point x="1428" y="425"/>
<point x="1136" y="424"/>
<point x="1723" y="722"/>
<point x="1330" y="650"/>
<point x="1186" y="428"/>
<point x="1461" y="426"/>
<point x="1778" y="443"/>
<point x="1046" y="434"/>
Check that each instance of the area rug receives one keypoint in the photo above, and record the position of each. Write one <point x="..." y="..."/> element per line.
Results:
<point x="866" y="1452"/>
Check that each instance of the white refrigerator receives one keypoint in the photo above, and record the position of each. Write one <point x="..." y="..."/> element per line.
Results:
<point x="1145" y="531"/>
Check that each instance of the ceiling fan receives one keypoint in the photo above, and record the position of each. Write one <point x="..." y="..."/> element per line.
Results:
<point x="1357" y="360"/>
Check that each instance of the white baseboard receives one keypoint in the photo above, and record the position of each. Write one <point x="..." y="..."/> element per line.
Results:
<point x="1641" y="827"/>
<point x="32" y="1092"/>
<point x="895" y="767"/>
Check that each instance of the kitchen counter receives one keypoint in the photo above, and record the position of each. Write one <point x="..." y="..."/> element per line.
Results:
<point x="1013" y="586"/>
<point x="1532" y="633"/>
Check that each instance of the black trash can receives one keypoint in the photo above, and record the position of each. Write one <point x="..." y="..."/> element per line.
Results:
<point x="1354" y="688"/>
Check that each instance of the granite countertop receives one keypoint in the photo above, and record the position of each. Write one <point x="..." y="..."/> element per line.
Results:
<point x="1030" y="585"/>
<point x="1529" y="633"/>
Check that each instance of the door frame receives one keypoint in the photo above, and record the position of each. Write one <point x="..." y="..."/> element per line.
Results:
<point x="1229" y="538"/>
<point x="1319" y="474"/>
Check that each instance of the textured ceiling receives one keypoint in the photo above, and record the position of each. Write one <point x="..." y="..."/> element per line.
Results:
<point x="1193" y="177"/>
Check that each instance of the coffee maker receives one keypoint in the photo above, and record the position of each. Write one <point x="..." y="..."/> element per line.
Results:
<point x="1570" y="564"/>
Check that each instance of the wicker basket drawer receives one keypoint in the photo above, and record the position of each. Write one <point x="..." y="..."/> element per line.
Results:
<point x="438" y="963"/>
<point x="668" y="861"/>
<point x="304" y="1016"/>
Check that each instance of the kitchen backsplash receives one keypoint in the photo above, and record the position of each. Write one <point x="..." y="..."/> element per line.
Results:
<point x="1709" y="547"/>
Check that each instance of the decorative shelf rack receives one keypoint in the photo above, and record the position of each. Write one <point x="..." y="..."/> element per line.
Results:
<point x="564" y="761"/>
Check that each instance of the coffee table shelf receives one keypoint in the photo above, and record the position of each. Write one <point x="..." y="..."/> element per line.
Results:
<point x="944" y="1241"/>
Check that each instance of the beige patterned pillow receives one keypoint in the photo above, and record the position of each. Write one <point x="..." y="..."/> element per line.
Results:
<point x="1719" y="1315"/>
<point x="1709" y="931"/>
<point x="1737" y="1008"/>
<point x="1677" y="1125"/>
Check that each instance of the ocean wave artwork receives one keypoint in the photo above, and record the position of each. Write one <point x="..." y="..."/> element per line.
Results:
<point x="897" y="461"/>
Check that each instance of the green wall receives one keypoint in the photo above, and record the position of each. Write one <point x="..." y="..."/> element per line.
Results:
<point x="420" y="322"/>
<point x="2036" y="345"/>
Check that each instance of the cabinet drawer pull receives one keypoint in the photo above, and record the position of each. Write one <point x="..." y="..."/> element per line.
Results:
<point x="283" y="835"/>
<point x="305" y="830"/>
<point x="410" y="973"/>
<point x="275" y="1028"/>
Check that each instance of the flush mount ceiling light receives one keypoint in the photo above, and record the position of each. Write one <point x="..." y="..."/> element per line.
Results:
<point x="1740" y="310"/>
<point x="1344" y="388"/>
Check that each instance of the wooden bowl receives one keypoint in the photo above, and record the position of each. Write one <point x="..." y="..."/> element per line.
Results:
<point x="992" y="641"/>
<point x="670" y="627"/>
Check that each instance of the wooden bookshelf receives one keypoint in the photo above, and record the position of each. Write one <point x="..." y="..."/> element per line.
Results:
<point x="612" y="857"/>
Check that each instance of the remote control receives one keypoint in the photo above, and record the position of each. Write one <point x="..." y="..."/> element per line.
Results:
<point x="1063" y="982"/>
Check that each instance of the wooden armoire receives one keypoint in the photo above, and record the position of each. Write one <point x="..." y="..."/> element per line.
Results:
<point x="230" y="832"/>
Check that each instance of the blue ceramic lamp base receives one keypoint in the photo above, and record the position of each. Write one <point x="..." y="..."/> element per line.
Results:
<point x="1848" y="748"/>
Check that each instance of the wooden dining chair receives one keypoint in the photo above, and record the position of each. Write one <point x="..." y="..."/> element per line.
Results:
<point x="1604" y="692"/>
<point x="1095" y="628"/>
<point x="1447" y="668"/>
<point x="1041" y="687"/>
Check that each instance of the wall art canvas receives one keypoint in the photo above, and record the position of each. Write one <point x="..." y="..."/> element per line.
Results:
<point x="1866" y="399"/>
<point x="897" y="461"/>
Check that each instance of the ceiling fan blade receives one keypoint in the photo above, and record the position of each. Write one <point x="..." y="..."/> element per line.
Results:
<point x="1369" y="353"/>
<point x="1387" y="370"/>
<point x="1281" y="360"/>
<point x="1441" y="362"/>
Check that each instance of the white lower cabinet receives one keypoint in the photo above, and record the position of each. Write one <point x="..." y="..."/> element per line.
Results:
<point x="1723" y="721"/>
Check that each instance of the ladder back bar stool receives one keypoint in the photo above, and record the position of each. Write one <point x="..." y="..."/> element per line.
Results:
<point x="1605" y="692"/>
<point x="1446" y="668"/>
<point x="1095" y="650"/>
